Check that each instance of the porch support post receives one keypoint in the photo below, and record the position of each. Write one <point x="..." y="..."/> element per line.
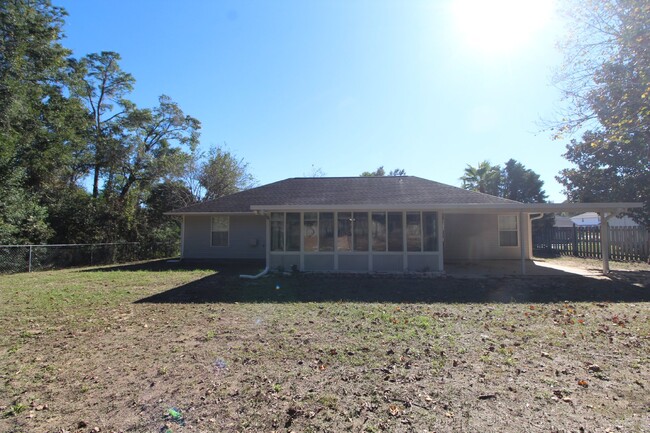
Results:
<point x="302" y="241"/>
<point x="604" y="240"/>
<point x="441" y="241"/>
<point x="405" y="257"/>
<point x="182" y="239"/>
<point x="268" y="240"/>
<point x="522" y="243"/>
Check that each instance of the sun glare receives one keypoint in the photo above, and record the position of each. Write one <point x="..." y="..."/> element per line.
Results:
<point x="497" y="27"/>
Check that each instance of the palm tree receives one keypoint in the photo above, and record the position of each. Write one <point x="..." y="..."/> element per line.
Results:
<point x="485" y="178"/>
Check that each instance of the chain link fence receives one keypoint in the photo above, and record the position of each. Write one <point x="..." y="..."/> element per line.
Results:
<point x="28" y="258"/>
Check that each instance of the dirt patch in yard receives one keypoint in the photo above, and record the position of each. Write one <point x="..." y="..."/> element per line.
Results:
<point x="150" y="349"/>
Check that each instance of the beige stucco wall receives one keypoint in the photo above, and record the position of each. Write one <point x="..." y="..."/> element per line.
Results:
<point x="476" y="237"/>
<point x="247" y="238"/>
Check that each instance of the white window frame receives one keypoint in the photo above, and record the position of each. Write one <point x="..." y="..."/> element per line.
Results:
<point x="502" y="230"/>
<point x="223" y="218"/>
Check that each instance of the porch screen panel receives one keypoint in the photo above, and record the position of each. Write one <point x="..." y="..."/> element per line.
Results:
<point x="360" y="230"/>
<point x="395" y="232"/>
<point x="430" y="231"/>
<point x="413" y="231"/>
<point x="293" y="231"/>
<point x="326" y="231"/>
<point x="378" y="231"/>
<point x="344" y="232"/>
<point x="277" y="231"/>
<point x="310" y="242"/>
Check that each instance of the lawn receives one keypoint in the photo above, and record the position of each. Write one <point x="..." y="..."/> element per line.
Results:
<point x="157" y="347"/>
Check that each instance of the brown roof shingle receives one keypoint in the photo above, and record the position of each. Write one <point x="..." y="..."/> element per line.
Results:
<point x="332" y="191"/>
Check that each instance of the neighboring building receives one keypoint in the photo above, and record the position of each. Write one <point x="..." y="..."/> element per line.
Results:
<point x="363" y="224"/>
<point x="562" y="221"/>
<point x="593" y="219"/>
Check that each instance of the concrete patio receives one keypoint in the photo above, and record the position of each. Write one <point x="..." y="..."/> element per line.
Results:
<point x="501" y="268"/>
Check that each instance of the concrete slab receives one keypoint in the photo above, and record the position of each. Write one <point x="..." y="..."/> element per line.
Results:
<point x="500" y="268"/>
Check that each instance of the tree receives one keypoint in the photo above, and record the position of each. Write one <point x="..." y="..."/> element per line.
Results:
<point x="316" y="172"/>
<point x="22" y="218"/>
<point x="39" y="123"/>
<point x="521" y="184"/>
<point x="163" y="197"/>
<point x="130" y="150"/>
<point x="223" y="173"/>
<point x="514" y="181"/>
<point x="103" y="87"/>
<point x="154" y="147"/>
<point x="381" y="172"/>
<point x="606" y="80"/>
<point x="608" y="171"/>
<point x="72" y="214"/>
<point x="485" y="178"/>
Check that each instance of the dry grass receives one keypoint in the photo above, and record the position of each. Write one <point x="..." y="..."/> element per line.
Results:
<point x="117" y="350"/>
<point x="596" y="264"/>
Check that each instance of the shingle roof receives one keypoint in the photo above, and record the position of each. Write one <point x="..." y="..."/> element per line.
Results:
<point x="345" y="191"/>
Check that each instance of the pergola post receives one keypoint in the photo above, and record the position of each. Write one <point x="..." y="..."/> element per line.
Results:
<point x="604" y="240"/>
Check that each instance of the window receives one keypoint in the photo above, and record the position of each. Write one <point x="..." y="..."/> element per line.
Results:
<point x="220" y="229"/>
<point x="277" y="231"/>
<point x="352" y="231"/>
<point x="310" y="227"/>
<point x="413" y="231"/>
<point x="344" y="233"/>
<point x="326" y="231"/>
<point x="430" y="231"/>
<point x="379" y="231"/>
<point x="508" y="231"/>
<point x="360" y="230"/>
<point x="318" y="229"/>
<point x="293" y="231"/>
<point x="285" y="231"/>
<point x="395" y="232"/>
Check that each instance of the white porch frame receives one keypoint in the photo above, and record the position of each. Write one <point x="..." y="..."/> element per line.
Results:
<point x="335" y="253"/>
<point x="606" y="210"/>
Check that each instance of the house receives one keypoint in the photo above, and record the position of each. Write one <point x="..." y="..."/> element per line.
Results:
<point x="593" y="219"/>
<point x="562" y="221"/>
<point x="364" y="224"/>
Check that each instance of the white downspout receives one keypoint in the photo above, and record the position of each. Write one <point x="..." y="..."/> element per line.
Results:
<point x="268" y="253"/>
<point x="529" y="237"/>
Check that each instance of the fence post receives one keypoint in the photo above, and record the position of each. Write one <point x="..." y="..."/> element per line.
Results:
<point x="575" y="240"/>
<point x="91" y="254"/>
<point x="29" y="265"/>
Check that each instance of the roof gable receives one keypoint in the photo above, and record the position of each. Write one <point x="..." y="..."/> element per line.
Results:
<point x="330" y="192"/>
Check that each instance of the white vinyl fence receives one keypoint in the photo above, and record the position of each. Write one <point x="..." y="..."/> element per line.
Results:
<point x="28" y="258"/>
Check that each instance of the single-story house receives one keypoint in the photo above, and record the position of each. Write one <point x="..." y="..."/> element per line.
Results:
<point x="562" y="221"/>
<point x="364" y="224"/>
<point x="593" y="219"/>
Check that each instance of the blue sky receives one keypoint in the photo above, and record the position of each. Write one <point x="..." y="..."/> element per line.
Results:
<point x="345" y="86"/>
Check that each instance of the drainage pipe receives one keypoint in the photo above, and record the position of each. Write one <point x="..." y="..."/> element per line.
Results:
<point x="254" y="277"/>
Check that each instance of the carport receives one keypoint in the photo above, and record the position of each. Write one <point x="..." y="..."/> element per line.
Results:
<point x="531" y="211"/>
